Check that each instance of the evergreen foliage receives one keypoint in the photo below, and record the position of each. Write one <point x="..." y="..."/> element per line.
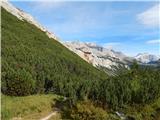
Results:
<point x="33" y="63"/>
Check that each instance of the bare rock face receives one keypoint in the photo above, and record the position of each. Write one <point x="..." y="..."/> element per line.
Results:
<point x="25" y="16"/>
<point x="80" y="49"/>
<point x="97" y="55"/>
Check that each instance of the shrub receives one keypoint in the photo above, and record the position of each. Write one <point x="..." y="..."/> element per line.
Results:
<point x="87" y="111"/>
<point x="19" y="83"/>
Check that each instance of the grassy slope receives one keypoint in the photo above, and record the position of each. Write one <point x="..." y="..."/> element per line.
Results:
<point x="28" y="107"/>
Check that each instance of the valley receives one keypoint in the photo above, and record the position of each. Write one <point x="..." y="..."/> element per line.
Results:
<point x="42" y="76"/>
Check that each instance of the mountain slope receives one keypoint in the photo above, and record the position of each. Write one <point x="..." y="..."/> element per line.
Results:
<point x="20" y="14"/>
<point x="34" y="63"/>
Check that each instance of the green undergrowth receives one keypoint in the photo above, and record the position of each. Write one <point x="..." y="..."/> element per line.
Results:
<point x="88" y="110"/>
<point x="144" y="112"/>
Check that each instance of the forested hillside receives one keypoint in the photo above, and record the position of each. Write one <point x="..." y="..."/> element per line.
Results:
<point x="32" y="63"/>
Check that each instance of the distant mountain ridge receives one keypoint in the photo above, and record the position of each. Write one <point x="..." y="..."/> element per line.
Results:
<point x="146" y="57"/>
<point x="100" y="56"/>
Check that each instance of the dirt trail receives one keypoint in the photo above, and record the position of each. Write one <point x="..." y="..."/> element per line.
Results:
<point x="49" y="116"/>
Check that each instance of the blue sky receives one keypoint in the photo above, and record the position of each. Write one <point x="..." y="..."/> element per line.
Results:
<point x="129" y="27"/>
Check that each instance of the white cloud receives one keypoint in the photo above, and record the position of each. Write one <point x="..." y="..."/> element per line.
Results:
<point x="111" y="45"/>
<point x="153" y="42"/>
<point x="47" y="5"/>
<point x="150" y="17"/>
<point x="82" y="18"/>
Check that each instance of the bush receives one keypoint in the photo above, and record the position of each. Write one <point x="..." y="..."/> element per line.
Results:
<point x="19" y="83"/>
<point x="87" y="111"/>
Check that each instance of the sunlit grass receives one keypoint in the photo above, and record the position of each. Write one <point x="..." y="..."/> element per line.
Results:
<point x="29" y="107"/>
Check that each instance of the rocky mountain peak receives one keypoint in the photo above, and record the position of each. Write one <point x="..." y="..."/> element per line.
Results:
<point x="146" y="57"/>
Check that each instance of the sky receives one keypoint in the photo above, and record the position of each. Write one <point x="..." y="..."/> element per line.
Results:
<point x="129" y="27"/>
